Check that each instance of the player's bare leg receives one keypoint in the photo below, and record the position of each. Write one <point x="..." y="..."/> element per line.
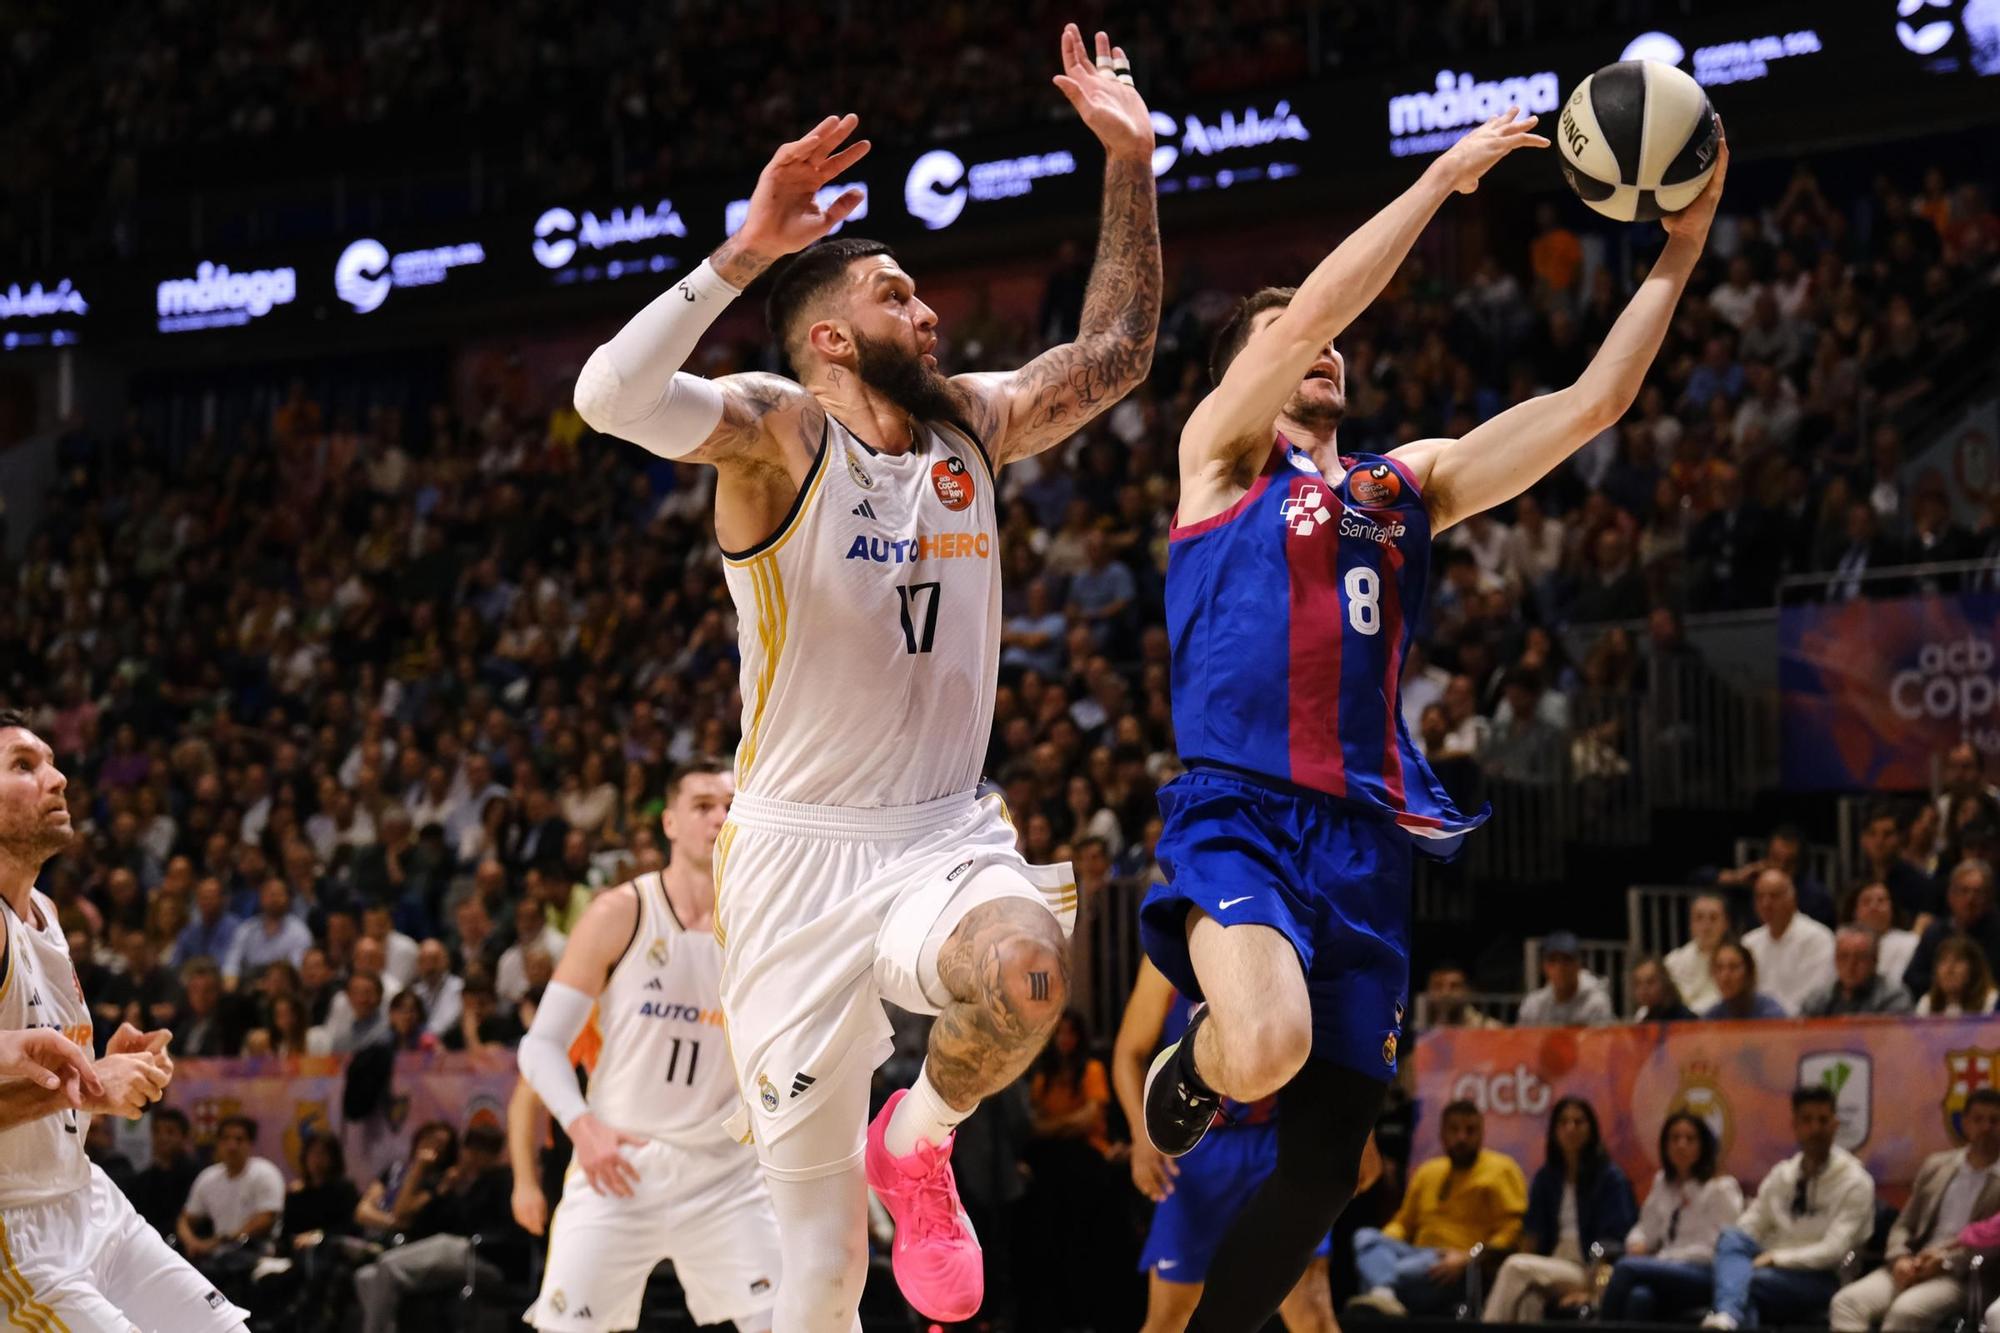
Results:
<point x="1309" y="1307"/>
<point x="1169" y="1304"/>
<point x="1259" y="1028"/>
<point x="1007" y="973"/>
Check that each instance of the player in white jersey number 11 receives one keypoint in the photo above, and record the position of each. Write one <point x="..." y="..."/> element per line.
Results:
<point x="654" y="1175"/>
<point x="855" y="509"/>
<point x="77" y="1255"/>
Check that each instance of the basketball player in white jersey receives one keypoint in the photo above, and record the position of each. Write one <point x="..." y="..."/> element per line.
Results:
<point x="855" y="509"/>
<point x="655" y="1175"/>
<point x="74" y="1255"/>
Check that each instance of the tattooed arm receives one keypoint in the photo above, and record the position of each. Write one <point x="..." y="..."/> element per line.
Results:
<point x="1022" y="412"/>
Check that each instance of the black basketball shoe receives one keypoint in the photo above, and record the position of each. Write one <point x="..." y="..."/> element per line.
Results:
<point x="1179" y="1108"/>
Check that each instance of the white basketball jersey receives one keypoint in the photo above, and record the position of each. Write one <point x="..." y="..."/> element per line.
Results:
<point x="869" y="626"/>
<point x="44" y="1158"/>
<point x="662" y="1069"/>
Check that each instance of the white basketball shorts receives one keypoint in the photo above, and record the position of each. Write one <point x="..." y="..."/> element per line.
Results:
<point x="823" y="913"/>
<point x="88" y="1262"/>
<point x="707" y="1211"/>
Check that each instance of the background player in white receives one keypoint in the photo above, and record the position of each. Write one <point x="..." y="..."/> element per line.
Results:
<point x="73" y="1253"/>
<point x="855" y="509"/>
<point x="654" y="1175"/>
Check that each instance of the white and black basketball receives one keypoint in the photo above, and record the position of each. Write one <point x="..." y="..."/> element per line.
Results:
<point x="1638" y="140"/>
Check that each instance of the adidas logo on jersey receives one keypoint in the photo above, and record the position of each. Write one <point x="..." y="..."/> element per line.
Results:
<point x="863" y="510"/>
<point x="654" y="984"/>
<point x="802" y="1083"/>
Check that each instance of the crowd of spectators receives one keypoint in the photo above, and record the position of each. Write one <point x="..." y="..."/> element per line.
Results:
<point x="1916" y="933"/>
<point x="359" y="710"/>
<point x="1812" y="1246"/>
<point x="628" y="95"/>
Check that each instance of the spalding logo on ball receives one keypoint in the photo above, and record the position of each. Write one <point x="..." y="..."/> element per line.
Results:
<point x="1638" y="140"/>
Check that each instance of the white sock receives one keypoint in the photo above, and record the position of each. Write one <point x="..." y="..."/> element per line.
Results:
<point x="922" y="1115"/>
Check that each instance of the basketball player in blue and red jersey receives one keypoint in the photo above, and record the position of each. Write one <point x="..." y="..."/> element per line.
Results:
<point x="1294" y="575"/>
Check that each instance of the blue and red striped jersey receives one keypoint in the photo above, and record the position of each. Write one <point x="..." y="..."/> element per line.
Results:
<point x="1289" y="614"/>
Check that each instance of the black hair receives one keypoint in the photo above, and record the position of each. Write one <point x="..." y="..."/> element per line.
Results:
<point x="171" y="1115"/>
<point x="14" y="717"/>
<point x="808" y="276"/>
<point x="242" y="1122"/>
<point x="1814" y="1094"/>
<point x="485" y="1138"/>
<point x="702" y="764"/>
<point x="1592" y="1159"/>
<point x="1463" y="1106"/>
<point x="1054" y="1066"/>
<point x="1704" y="1163"/>
<point x="1235" y="331"/>
<point x="1982" y="1097"/>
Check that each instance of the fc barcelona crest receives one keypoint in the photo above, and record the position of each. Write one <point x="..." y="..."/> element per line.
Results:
<point x="1966" y="1072"/>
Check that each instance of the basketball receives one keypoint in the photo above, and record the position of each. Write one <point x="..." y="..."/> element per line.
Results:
<point x="1638" y="140"/>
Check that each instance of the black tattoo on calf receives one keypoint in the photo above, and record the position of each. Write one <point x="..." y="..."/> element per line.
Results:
<point x="1007" y="969"/>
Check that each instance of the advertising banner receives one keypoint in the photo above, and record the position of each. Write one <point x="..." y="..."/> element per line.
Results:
<point x="1900" y="1084"/>
<point x="293" y="1099"/>
<point x="1801" y="74"/>
<point x="1871" y="691"/>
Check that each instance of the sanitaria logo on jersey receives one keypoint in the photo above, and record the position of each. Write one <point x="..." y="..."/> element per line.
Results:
<point x="1430" y="122"/>
<point x="217" y="298"/>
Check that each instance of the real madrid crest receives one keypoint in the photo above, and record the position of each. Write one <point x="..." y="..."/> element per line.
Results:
<point x="767" y="1093"/>
<point x="857" y="472"/>
<point x="656" y="953"/>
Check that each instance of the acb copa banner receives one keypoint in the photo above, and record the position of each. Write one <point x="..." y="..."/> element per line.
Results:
<point x="1872" y="691"/>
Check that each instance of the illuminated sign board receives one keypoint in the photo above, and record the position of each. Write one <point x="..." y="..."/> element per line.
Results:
<point x="1742" y="61"/>
<point x="736" y="211"/>
<point x="218" y="298"/>
<point x="39" y="316"/>
<point x="1251" y="143"/>
<point x="367" y="272"/>
<point x="1926" y="29"/>
<point x="940" y="184"/>
<point x="569" y="244"/>
<point x="1430" y="122"/>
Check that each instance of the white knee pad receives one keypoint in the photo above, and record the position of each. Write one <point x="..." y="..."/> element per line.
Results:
<point x="906" y="952"/>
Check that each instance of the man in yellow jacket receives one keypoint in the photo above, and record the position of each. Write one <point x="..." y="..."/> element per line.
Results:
<point x="1467" y="1197"/>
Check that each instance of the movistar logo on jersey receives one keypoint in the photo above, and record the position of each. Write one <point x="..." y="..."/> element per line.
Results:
<point x="937" y="546"/>
<point x="684" y="1013"/>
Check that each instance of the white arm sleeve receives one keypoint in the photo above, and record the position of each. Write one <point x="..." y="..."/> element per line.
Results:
<point x="544" y="1054"/>
<point x="633" y="386"/>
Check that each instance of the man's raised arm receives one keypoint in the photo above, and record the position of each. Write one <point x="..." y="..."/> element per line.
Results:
<point x="1505" y="456"/>
<point x="1237" y="417"/>
<point x="1025" y="411"/>
<point x="633" y="386"/>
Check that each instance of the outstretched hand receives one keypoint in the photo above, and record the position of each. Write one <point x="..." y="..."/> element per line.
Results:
<point x="1474" y="155"/>
<point x="785" y="213"/>
<point x="1108" y="104"/>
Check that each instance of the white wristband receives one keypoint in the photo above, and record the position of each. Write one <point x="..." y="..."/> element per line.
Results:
<point x="544" y="1054"/>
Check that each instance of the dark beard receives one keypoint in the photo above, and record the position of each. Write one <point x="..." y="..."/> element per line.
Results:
<point x="906" y="381"/>
<point x="1316" y="412"/>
